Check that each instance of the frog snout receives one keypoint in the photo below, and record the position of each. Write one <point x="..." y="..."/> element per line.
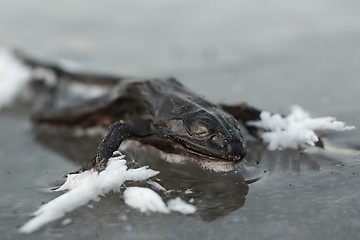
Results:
<point x="236" y="150"/>
<point x="232" y="150"/>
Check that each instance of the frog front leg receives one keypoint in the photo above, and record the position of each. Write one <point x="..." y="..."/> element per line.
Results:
<point x="117" y="133"/>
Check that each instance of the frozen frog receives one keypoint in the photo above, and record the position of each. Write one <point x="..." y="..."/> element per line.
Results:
<point x="162" y="113"/>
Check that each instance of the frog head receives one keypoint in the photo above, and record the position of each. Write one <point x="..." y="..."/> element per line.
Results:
<point x="202" y="132"/>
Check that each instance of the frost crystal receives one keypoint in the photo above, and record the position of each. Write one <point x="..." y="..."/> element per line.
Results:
<point x="180" y="206"/>
<point x="13" y="76"/>
<point x="295" y="130"/>
<point x="84" y="187"/>
<point x="144" y="199"/>
<point x="91" y="185"/>
<point x="147" y="200"/>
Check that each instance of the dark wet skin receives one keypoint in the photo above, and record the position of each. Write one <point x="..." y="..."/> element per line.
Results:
<point x="158" y="112"/>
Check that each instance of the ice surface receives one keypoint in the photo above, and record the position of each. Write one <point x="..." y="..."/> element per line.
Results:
<point x="84" y="187"/>
<point x="295" y="130"/>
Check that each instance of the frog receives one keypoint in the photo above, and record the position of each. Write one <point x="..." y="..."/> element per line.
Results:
<point x="158" y="112"/>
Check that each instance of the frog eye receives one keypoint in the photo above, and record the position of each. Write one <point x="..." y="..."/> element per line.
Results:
<point x="199" y="130"/>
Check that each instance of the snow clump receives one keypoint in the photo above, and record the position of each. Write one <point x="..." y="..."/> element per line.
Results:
<point x="294" y="130"/>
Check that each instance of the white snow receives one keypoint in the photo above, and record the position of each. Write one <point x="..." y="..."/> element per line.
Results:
<point x="46" y="74"/>
<point x="87" y="91"/>
<point x="66" y="221"/>
<point x="84" y="187"/>
<point x="145" y="200"/>
<point x="188" y="191"/>
<point x="13" y="76"/>
<point x="181" y="206"/>
<point x="90" y="185"/>
<point x="295" y="130"/>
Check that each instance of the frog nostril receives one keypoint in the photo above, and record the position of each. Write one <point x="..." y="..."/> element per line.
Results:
<point x="233" y="150"/>
<point x="236" y="150"/>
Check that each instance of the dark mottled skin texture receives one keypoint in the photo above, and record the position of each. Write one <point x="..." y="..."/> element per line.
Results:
<point x="158" y="112"/>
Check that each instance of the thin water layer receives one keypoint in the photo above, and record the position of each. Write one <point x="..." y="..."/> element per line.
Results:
<point x="293" y="191"/>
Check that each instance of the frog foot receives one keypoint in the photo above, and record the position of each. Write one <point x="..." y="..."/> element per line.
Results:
<point x="96" y="165"/>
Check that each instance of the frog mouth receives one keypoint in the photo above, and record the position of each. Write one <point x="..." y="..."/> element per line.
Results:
<point x="214" y="158"/>
<point x="198" y="150"/>
<point x="181" y="156"/>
